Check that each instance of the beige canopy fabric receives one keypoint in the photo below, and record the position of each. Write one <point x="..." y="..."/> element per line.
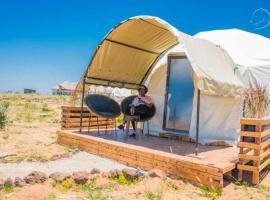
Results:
<point x="127" y="53"/>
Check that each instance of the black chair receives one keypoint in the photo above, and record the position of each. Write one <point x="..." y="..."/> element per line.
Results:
<point x="125" y="107"/>
<point x="102" y="106"/>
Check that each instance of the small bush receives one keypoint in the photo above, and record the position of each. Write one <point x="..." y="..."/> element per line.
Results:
<point x="8" y="188"/>
<point x="67" y="184"/>
<point x="210" y="193"/>
<point x="92" y="191"/>
<point x="45" y="108"/>
<point x="3" y="114"/>
<point x="123" y="180"/>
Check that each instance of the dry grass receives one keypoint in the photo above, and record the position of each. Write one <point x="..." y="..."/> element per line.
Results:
<point x="256" y="102"/>
<point x="32" y="124"/>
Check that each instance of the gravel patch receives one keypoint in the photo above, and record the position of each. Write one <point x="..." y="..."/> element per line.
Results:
<point x="78" y="162"/>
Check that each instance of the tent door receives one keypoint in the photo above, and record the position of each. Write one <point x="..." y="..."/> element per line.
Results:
<point x="179" y="95"/>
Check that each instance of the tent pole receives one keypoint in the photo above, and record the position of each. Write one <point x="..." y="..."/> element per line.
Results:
<point x="83" y="91"/>
<point x="197" y="122"/>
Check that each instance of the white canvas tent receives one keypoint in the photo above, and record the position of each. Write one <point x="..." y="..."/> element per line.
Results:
<point x="136" y="52"/>
<point x="117" y="93"/>
<point x="250" y="52"/>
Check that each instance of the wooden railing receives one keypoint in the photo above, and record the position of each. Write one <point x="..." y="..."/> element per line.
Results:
<point x="254" y="145"/>
<point x="71" y="119"/>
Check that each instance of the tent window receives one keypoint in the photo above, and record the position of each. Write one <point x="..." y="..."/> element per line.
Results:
<point x="179" y="95"/>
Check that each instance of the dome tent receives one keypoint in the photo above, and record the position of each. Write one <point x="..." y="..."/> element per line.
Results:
<point x="136" y="52"/>
<point x="250" y="53"/>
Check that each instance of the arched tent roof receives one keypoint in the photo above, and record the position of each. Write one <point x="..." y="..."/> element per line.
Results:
<point x="129" y="51"/>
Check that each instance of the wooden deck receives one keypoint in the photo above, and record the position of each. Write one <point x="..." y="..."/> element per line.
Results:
<point x="174" y="157"/>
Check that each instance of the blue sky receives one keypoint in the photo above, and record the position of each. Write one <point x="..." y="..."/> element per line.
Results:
<point x="43" y="42"/>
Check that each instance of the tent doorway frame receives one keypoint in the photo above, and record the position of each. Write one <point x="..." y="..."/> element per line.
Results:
<point x="169" y="59"/>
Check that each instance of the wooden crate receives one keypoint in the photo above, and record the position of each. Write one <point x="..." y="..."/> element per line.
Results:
<point x="71" y="119"/>
<point x="254" y="147"/>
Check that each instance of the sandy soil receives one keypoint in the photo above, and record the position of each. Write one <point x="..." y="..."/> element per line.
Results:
<point x="152" y="188"/>
<point x="31" y="132"/>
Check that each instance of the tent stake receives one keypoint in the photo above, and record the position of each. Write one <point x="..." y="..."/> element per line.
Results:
<point x="197" y="122"/>
<point x="82" y="104"/>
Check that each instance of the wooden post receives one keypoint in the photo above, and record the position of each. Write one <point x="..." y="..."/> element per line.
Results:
<point x="197" y="122"/>
<point x="83" y="91"/>
<point x="256" y="174"/>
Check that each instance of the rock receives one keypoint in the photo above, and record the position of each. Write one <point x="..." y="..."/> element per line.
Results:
<point x="81" y="177"/>
<point x="65" y="155"/>
<point x="95" y="171"/>
<point x="35" y="177"/>
<point x="19" y="182"/>
<point x="177" y="185"/>
<point x="55" y="157"/>
<point x="130" y="173"/>
<point x="59" y="176"/>
<point x="157" y="173"/>
<point x="60" y="156"/>
<point x="114" y="173"/>
<point x="9" y="182"/>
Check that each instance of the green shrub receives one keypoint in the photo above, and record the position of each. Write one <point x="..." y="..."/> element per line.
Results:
<point x="3" y="114"/>
<point x="210" y="193"/>
<point x="45" y="108"/>
<point x="8" y="188"/>
<point x="67" y="184"/>
<point x="123" y="180"/>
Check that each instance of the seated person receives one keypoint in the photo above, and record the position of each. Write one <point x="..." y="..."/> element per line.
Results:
<point x="140" y="106"/>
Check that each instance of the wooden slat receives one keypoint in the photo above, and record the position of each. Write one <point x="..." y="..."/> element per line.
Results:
<point x="250" y="134"/>
<point x="265" y="144"/>
<point x="247" y="168"/>
<point x="266" y="133"/>
<point x="249" y="145"/>
<point x="77" y="114"/>
<point x="78" y="108"/>
<point x="264" y="154"/>
<point x="250" y="121"/>
<point x="249" y="157"/>
<point x="92" y="119"/>
<point x="262" y="166"/>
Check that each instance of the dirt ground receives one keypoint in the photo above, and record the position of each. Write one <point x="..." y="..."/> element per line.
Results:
<point x="31" y="135"/>
<point x="103" y="188"/>
<point x="31" y="131"/>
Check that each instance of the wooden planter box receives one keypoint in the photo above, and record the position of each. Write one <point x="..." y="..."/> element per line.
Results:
<point x="254" y="147"/>
<point x="71" y="119"/>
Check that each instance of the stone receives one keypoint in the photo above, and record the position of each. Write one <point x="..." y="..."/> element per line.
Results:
<point x="114" y="173"/>
<point x="59" y="176"/>
<point x="177" y="185"/>
<point x="9" y="182"/>
<point x="95" y="171"/>
<point x="65" y="155"/>
<point x="81" y="177"/>
<point x="35" y="177"/>
<point x="157" y="173"/>
<point x="55" y="157"/>
<point x="19" y="182"/>
<point x="130" y="173"/>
